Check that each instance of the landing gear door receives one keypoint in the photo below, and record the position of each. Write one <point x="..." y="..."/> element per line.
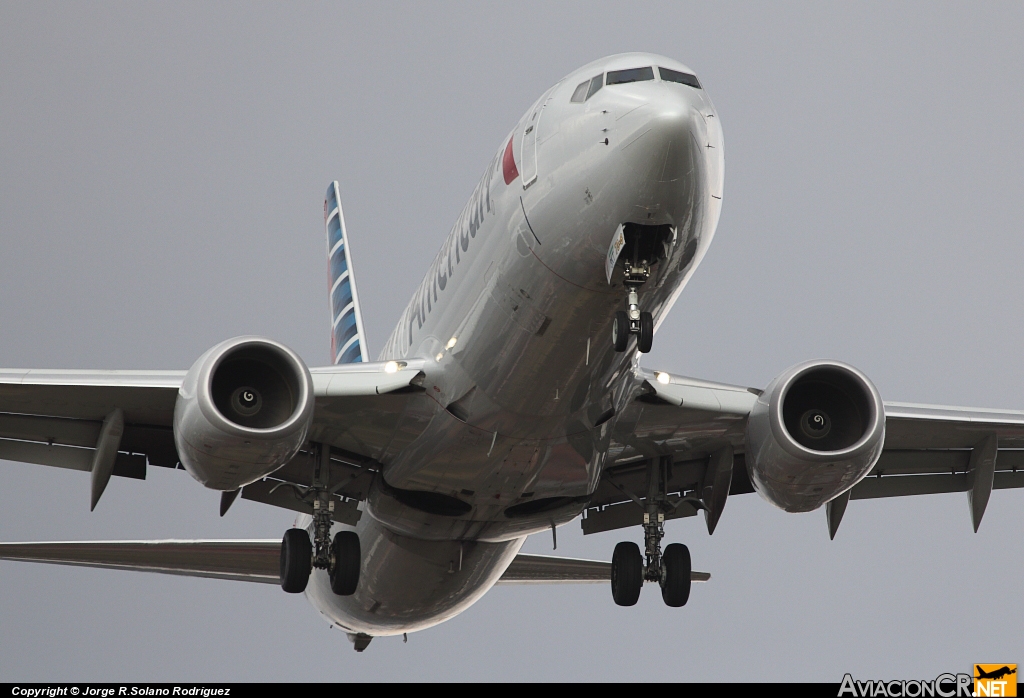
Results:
<point x="530" y="131"/>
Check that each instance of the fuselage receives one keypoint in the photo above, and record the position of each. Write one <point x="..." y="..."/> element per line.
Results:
<point x="514" y="316"/>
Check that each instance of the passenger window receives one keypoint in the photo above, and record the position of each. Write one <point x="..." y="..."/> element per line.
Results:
<point x="580" y="94"/>
<point x="595" y="85"/>
<point x="676" y="76"/>
<point x="617" y="77"/>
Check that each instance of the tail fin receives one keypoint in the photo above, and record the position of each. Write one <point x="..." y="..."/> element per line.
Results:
<point x="348" y="344"/>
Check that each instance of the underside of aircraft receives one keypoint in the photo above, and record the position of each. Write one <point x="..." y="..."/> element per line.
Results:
<point x="509" y="399"/>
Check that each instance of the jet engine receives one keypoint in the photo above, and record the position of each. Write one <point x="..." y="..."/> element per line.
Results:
<point x="242" y="412"/>
<point x="815" y="432"/>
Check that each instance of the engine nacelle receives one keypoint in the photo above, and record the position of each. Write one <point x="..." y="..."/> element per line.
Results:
<point x="242" y="412"/>
<point x="815" y="432"/>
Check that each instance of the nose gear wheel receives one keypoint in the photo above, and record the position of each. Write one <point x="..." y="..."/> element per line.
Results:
<point x="632" y="320"/>
<point x="645" y="337"/>
<point x="620" y="330"/>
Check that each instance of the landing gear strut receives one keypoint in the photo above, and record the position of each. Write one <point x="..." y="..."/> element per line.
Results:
<point x="671" y="568"/>
<point x="632" y="320"/>
<point x="341" y="557"/>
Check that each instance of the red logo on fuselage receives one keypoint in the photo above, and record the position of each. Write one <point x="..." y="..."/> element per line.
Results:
<point x="508" y="164"/>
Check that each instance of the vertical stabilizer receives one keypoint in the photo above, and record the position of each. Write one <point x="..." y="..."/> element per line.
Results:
<point x="348" y="341"/>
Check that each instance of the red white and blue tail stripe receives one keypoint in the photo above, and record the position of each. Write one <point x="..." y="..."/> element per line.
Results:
<point x="348" y="344"/>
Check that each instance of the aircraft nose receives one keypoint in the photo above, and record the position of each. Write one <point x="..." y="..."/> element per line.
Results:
<point x="664" y="145"/>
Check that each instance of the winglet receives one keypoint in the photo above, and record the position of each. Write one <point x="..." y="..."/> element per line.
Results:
<point x="348" y="341"/>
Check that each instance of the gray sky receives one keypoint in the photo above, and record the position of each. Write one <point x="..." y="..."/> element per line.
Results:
<point x="162" y="170"/>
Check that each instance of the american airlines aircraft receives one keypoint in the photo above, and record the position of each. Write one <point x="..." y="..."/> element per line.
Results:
<point x="509" y="399"/>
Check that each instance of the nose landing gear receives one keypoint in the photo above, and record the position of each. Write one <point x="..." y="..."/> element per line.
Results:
<point x="635" y="322"/>
<point x="341" y="557"/>
<point x="632" y="320"/>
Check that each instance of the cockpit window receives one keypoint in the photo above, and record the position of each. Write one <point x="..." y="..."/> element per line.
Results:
<point x="676" y="76"/>
<point x="617" y="77"/>
<point x="580" y="95"/>
<point x="586" y="90"/>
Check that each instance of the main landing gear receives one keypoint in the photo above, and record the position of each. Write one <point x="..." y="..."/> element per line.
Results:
<point x="632" y="320"/>
<point x="671" y="568"/>
<point x="341" y="557"/>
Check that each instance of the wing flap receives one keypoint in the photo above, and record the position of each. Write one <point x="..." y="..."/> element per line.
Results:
<point x="125" y="464"/>
<point x="60" y="430"/>
<point x="46" y="454"/>
<point x="907" y="485"/>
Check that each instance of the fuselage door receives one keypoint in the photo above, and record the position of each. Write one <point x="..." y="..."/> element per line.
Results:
<point x="529" y="149"/>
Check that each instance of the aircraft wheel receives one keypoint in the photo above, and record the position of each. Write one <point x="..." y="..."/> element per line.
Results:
<point x="646" y="338"/>
<point x="620" y="330"/>
<point x="347" y="561"/>
<point x="675" y="584"/>
<point x="296" y="560"/>
<point x="627" y="574"/>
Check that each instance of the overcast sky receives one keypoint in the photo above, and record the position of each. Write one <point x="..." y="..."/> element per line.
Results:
<point x="162" y="171"/>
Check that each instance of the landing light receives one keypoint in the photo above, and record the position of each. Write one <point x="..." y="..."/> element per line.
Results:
<point x="391" y="367"/>
<point x="663" y="378"/>
<point x="439" y="356"/>
<point x="451" y="343"/>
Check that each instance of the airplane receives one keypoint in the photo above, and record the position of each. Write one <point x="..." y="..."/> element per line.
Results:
<point x="995" y="674"/>
<point x="509" y="399"/>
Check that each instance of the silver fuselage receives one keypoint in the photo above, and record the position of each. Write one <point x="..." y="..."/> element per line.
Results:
<point x="515" y="318"/>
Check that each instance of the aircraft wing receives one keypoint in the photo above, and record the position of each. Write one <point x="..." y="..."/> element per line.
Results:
<point x="53" y="417"/>
<point x="259" y="560"/>
<point x="928" y="449"/>
<point x="237" y="560"/>
<point x="673" y="414"/>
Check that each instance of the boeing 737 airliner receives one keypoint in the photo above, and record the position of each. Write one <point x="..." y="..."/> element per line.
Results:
<point x="509" y="399"/>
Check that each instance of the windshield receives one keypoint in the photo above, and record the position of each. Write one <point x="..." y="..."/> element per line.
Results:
<point x="676" y="76"/>
<point x="618" y="77"/>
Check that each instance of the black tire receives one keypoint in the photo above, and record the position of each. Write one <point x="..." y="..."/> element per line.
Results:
<point x="627" y="574"/>
<point x="620" y="330"/>
<point x="296" y="560"/>
<point x="675" y="584"/>
<point x="347" y="561"/>
<point x="646" y="338"/>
